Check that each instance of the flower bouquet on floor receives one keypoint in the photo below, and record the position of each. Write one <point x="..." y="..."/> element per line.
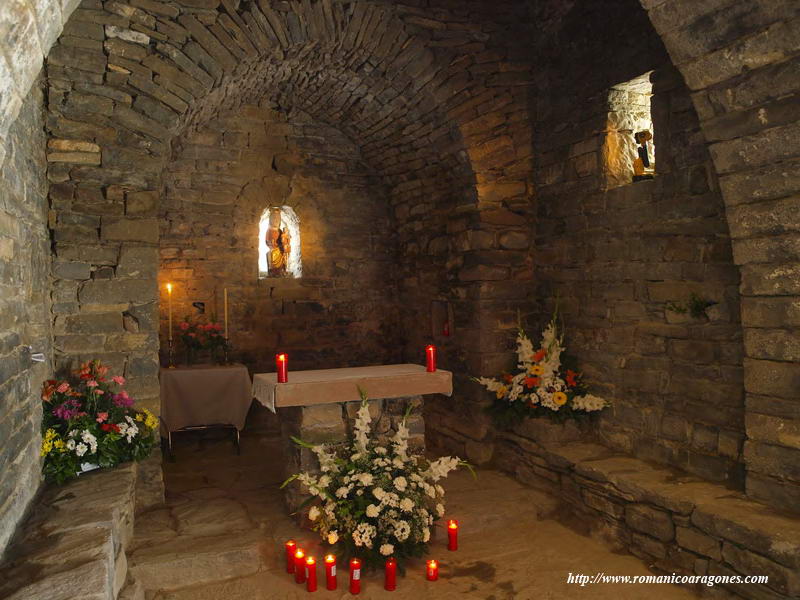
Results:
<point x="373" y="500"/>
<point x="541" y="386"/>
<point x="199" y="336"/>
<point x="91" y="423"/>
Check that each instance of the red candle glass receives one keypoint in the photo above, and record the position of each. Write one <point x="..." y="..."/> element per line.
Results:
<point x="432" y="571"/>
<point x="311" y="574"/>
<point x="299" y="566"/>
<point x="291" y="548"/>
<point x="430" y="358"/>
<point x="452" y="535"/>
<point x="282" y="367"/>
<point x="355" y="576"/>
<point x="446" y="328"/>
<point x="330" y="572"/>
<point x="390" y="576"/>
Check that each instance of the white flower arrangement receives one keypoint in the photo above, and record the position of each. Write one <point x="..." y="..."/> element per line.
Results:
<point x="540" y="385"/>
<point x="375" y="499"/>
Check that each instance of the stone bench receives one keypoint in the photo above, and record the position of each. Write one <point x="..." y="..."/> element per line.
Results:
<point x="74" y="541"/>
<point x="676" y="522"/>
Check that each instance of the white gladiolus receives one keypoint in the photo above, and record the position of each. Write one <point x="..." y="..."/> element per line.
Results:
<point x="81" y="449"/>
<point x="440" y="510"/>
<point x="313" y="514"/>
<point x="426" y="535"/>
<point x="333" y="537"/>
<point x="342" y="492"/>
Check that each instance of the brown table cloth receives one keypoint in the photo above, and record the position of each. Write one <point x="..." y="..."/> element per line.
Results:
<point x="326" y="386"/>
<point x="205" y="395"/>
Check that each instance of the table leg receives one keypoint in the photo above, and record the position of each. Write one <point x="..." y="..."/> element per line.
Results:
<point x="238" y="447"/>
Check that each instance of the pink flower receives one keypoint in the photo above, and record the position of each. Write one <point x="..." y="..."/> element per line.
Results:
<point x="102" y="416"/>
<point x="98" y="392"/>
<point x="63" y="388"/>
<point x="184" y="325"/>
<point x="92" y="384"/>
<point x="217" y="326"/>
<point x="118" y="379"/>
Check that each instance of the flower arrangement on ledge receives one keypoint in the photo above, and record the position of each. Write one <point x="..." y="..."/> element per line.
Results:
<point x="199" y="336"/>
<point x="91" y="423"/>
<point x="541" y="386"/>
<point x="374" y="500"/>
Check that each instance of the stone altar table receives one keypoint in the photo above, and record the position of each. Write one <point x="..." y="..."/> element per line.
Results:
<point x="320" y="407"/>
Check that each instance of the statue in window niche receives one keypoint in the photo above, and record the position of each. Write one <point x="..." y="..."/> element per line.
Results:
<point x="642" y="169"/>
<point x="278" y="245"/>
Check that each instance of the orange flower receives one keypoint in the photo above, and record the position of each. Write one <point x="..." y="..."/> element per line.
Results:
<point x="536" y="370"/>
<point x="531" y="382"/>
<point x="572" y="377"/>
<point x="507" y="378"/>
<point x="560" y="398"/>
<point x="540" y="354"/>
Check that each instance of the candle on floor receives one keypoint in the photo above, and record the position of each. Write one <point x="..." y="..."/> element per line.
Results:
<point x="390" y="576"/>
<point x="330" y="572"/>
<point x="432" y="571"/>
<point x="282" y="367"/>
<point x="452" y="534"/>
<point x="225" y="303"/>
<point x="291" y="548"/>
<point x="355" y="576"/>
<point x="299" y="566"/>
<point x="430" y="358"/>
<point x="311" y="574"/>
<point x="169" y="304"/>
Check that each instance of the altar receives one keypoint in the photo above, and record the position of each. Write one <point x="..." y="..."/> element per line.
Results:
<point x="319" y="407"/>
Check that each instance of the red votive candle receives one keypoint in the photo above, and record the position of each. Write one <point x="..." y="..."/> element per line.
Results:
<point x="291" y="548"/>
<point x="432" y="571"/>
<point x="299" y="566"/>
<point x="355" y="576"/>
<point x="330" y="572"/>
<point x="311" y="574"/>
<point x="430" y="358"/>
<point x="446" y="329"/>
<point x="452" y="535"/>
<point x="390" y="576"/>
<point x="282" y="367"/>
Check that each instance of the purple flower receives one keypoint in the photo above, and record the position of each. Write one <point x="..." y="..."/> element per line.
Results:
<point x="68" y="410"/>
<point x="122" y="400"/>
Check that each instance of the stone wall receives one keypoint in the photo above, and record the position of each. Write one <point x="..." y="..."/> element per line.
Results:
<point x="344" y="310"/>
<point x="620" y="261"/>
<point x="678" y="524"/>
<point x="24" y="309"/>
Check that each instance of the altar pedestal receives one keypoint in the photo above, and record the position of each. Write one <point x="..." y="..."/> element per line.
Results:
<point x="320" y="407"/>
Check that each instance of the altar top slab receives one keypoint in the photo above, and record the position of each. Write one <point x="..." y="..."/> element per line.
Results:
<point x="326" y="386"/>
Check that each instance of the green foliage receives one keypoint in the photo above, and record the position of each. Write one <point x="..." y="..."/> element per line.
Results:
<point x="695" y="306"/>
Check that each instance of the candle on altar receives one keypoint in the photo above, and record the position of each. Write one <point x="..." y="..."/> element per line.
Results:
<point x="432" y="571"/>
<point x="299" y="566"/>
<point x="390" y="575"/>
<point x="311" y="574"/>
<point x="330" y="572"/>
<point x="430" y="358"/>
<point x="225" y="305"/>
<point x="291" y="548"/>
<point x="355" y="576"/>
<point x="452" y="534"/>
<point x="282" y="367"/>
<point x="169" y="305"/>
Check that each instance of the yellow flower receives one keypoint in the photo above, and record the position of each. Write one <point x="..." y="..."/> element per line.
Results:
<point x="151" y="422"/>
<point x="560" y="398"/>
<point x="501" y="391"/>
<point x="60" y="445"/>
<point x="140" y="417"/>
<point x="46" y="448"/>
<point x="536" y="370"/>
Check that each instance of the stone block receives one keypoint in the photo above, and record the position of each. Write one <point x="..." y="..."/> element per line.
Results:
<point x="129" y="229"/>
<point x="773" y="430"/>
<point x="138" y="262"/>
<point x="71" y="270"/>
<point x="772" y="378"/>
<point x="778" y="461"/>
<point x="117" y="291"/>
<point x="696" y="541"/>
<point x="321" y="424"/>
<point x="651" y="521"/>
<point x="783" y="580"/>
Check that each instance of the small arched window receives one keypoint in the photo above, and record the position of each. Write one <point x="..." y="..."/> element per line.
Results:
<point x="279" y="243"/>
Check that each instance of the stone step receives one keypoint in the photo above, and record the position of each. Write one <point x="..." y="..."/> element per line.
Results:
<point x="187" y="561"/>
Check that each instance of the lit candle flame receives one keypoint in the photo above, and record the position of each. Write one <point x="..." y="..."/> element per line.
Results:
<point x="330" y="558"/>
<point x="311" y="560"/>
<point x="169" y="288"/>
<point x="299" y="554"/>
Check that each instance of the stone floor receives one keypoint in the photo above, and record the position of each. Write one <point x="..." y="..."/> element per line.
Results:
<point x="221" y="532"/>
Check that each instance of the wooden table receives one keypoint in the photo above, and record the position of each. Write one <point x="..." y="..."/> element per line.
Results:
<point x="326" y="386"/>
<point x="204" y="396"/>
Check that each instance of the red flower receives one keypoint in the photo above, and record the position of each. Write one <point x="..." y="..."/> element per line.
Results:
<point x="572" y="377"/>
<point x="184" y="325"/>
<point x="540" y="354"/>
<point x="109" y="427"/>
<point x="531" y="382"/>
<point x="508" y="378"/>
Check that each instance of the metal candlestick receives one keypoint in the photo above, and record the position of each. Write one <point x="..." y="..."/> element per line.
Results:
<point x="170" y="363"/>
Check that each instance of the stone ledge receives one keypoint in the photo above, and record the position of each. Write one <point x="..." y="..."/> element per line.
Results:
<point x="73" y="545"/>
<point x="676" y="522"/>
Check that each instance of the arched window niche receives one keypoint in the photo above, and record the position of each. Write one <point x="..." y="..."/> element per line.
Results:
<point x="279" y="243"/>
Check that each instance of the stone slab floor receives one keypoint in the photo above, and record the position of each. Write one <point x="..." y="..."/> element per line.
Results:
<point x="220" y="536"/>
